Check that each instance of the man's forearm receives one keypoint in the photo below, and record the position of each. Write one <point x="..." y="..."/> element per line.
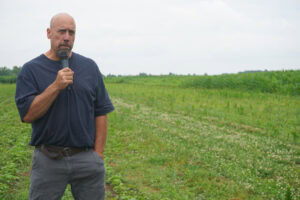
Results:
<point x="100" y="135"/>
<point x="41" y="103"/>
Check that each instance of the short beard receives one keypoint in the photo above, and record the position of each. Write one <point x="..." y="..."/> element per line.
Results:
<point x="61" y="52"/>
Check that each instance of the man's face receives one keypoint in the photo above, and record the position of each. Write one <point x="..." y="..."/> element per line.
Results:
<point x="62" y="35"/>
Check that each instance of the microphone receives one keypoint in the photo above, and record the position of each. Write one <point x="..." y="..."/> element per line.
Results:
<point x="64" y="61"/>
<point x="64" y="58"/>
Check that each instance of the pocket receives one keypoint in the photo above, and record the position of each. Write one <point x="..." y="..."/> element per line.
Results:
<point x="99" y="164"/>
<point x="35" y="158"/>
<point x="97" y="157"/>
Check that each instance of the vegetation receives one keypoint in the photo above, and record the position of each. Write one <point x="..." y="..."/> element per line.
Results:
<point x="172" y="143"/>
<point x="14" y="150"/>
<point x="171" y="139"/>
<point x="281" y="82"/>
<point x="9" y="75"/>
<point x="8" y="79"/>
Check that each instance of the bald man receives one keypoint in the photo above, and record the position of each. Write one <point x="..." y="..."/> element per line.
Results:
<point x="67" y="108"/>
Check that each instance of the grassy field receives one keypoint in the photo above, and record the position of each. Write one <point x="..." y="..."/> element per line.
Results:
<point x="168" y="141"/>
<point x="281" y="82"/>
<point x="14" y="150"/>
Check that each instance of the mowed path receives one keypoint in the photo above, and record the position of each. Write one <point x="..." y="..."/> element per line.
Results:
<point x="175" y="156"/>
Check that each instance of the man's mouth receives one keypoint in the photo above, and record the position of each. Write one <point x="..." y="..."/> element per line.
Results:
<point x="64" y="46"/>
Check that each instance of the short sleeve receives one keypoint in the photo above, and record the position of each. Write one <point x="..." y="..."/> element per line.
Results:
<point x="26" y="90"/>
<point x="103" y="104"/>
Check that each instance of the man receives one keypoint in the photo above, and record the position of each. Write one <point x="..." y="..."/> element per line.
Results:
<point x="67" y="108"/>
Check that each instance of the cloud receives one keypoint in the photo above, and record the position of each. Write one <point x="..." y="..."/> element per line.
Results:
<point x="128" y="37"/>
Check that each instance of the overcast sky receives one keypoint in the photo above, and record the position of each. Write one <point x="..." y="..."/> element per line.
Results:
<point x="161" y="36"/>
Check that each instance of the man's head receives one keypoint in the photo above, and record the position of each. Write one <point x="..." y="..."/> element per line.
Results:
<point x="61" y="34"/>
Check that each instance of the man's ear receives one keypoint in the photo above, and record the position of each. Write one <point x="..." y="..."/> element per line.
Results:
<point x="48" y="33"/>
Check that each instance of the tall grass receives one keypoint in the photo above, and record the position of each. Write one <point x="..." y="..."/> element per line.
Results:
<point x="268" y="114"/>
<point x="8" y="79"/>
<point x="284" y="82"/>
<point x="281" y="82"/>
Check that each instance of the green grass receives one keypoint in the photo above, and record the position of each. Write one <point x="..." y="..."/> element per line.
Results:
<point x="8" y="79"/>
<point x="176" y="143"/>
<point x="170" y="142"/>
<point x="267" y="114"/>
<point x="14" y="151"/>
<point x="281" y="82"/>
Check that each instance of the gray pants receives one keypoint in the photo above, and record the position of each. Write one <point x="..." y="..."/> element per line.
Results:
<point x="84" y="171"/>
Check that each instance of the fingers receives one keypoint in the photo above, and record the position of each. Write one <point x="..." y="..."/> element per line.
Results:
<point x="64" y="78"/>
<point x="66" y="69"/>
<point x="66" y="74"/>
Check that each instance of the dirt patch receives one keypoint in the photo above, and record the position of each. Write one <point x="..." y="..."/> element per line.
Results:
<point x="110" y="191"/>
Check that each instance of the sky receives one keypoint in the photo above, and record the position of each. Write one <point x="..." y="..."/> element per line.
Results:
<point x="160" y="36"/>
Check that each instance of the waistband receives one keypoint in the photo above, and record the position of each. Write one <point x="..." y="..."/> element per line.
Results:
<point x="56" y="152"/>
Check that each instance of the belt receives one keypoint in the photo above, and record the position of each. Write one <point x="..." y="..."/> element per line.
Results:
<point x="56" y="152"/>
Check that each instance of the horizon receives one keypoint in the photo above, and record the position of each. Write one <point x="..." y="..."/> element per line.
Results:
<point x="175" y="74"/>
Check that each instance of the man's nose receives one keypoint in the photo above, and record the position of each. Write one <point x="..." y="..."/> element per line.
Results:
<point x="66" y="36"/>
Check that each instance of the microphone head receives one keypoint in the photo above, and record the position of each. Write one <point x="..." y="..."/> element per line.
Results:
<point x="63" y="55"/>
<point x="64" y="58"/>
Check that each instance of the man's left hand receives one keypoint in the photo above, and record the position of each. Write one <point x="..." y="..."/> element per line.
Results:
<point x="101" y="155"/>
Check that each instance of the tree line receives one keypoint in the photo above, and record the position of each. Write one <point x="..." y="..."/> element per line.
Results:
<point x="5" y="71"/>
<point x="8" y="75"/>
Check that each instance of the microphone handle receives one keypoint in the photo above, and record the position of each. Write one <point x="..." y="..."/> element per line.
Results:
<point x="65" y="63"/>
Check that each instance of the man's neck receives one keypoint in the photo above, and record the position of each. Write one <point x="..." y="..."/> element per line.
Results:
<point x="52" y="55"/>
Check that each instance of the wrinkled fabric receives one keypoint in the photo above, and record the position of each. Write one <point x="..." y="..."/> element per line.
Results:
<point x="84" y="171"/>
<point x="70" y="121"/>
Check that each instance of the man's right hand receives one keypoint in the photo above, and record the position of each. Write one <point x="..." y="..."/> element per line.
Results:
<point x="64" y="78"/>
<point x="43" y="101"/>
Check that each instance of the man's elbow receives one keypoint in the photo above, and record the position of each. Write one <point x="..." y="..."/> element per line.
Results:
<point x="27" y="119"/>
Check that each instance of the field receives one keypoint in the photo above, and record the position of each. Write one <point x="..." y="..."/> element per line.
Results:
<point x="170" y="138"/>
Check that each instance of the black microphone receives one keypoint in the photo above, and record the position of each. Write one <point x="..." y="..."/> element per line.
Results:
<point x="64" y="58"/>
<point x="64" y="61"/>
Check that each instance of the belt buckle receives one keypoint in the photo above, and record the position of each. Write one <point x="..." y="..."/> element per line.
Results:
<point x="67" y="151"/>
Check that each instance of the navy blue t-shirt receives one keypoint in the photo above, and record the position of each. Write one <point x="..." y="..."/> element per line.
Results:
<point x="70" y="121"/>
